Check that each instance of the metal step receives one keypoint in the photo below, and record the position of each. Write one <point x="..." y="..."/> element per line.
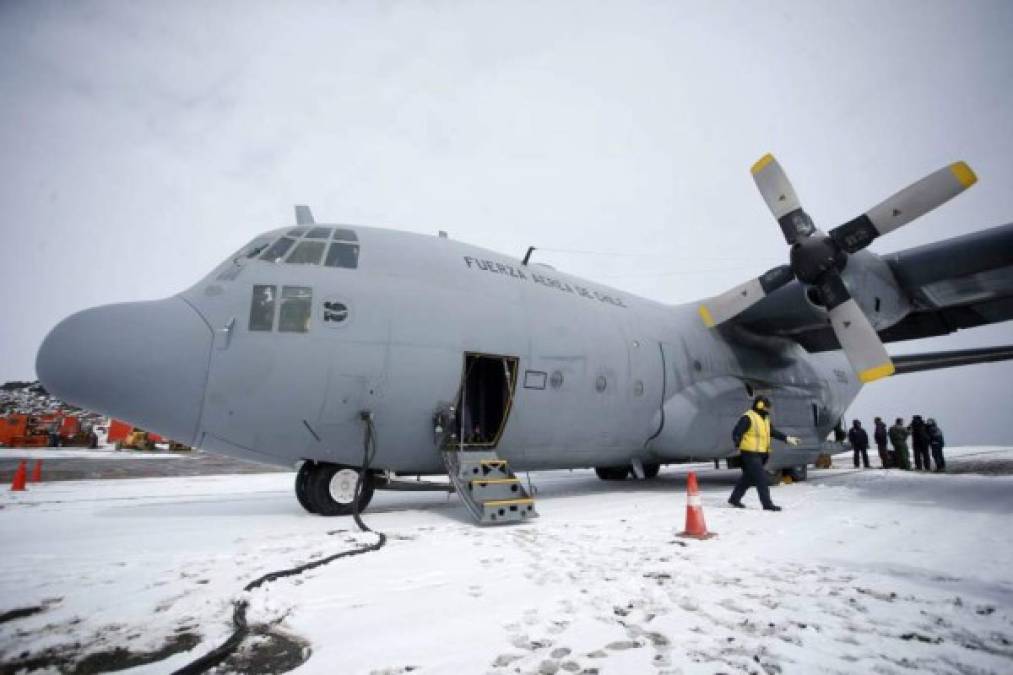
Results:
<point x="488" y="489"/>
<point x="487" y="486"/>
<point x="508" y="510"/>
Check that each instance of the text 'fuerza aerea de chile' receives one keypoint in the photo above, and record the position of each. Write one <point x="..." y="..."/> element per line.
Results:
<point x="541" y="279"/>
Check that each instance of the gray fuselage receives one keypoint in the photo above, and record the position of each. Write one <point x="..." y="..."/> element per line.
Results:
<point x="603" y="376"/>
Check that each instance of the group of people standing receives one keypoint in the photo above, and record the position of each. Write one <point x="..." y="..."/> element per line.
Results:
<point x="754" y="431"/>
<point x="924" y="436"/>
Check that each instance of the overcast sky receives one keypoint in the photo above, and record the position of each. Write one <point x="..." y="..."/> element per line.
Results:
<point x="143" y="142"/>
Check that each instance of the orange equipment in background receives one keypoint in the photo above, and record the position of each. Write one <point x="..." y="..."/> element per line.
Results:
<point x="73" y="434"/>
<point x="128" y="437"/>
<point x="24" y="431"/>
<point x="118" y="430"/>
<point x="31" y="431"/>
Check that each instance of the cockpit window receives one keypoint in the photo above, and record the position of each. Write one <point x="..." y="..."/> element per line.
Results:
<point x="262" y="307"/>
<point x="319" y="233"/>
<point x="278" y="250"/>
<point x="296" y="306"/>
<point x="306" y="246"/>
<point x="307" y="253"/>
<point x="255" y="248"/>
<point x="343" y="254"/>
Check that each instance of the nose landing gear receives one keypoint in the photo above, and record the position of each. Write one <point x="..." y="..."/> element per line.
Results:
<point x="329" y="489"/>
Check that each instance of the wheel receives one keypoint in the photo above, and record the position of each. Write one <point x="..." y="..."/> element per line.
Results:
<point x="651" y="470"/>
<point x="332" y="489"/>
<point x="302" y="484"/>
<point x="612" y="472"/>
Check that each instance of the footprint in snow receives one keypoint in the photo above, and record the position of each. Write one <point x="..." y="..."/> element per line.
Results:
<point x="557" y="626"/>
<point x="504" y="660"/>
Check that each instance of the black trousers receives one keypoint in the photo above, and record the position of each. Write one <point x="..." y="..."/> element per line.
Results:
<point x="752" y="475"/>
<point x="937" y="455"/>
<point x="884" y="456"/>
<point x="922" y="457"/>
<point x="865" y="457"/>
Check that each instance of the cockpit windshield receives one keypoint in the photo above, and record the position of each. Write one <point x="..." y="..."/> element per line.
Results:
<point x="334" y="247"/>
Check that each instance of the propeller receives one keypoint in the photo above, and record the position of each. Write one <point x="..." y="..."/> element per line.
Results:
<point x="817" y="259"/>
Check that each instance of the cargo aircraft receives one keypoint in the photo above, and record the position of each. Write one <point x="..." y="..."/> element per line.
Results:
<point x="311" y="338"/>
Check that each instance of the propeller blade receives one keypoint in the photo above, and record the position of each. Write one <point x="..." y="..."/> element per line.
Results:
<point x="776" y="190"/>
<point x="733" y="302"/>
<point x="858" y="338"/>
<point x="912" y="202"/>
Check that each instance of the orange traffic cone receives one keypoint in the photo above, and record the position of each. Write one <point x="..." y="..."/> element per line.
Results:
<point x="18" y="483"/>
<point x="37" y="471"/>
<point x="695" y="525"/>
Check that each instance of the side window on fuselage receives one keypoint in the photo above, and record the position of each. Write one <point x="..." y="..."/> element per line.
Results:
<point x="262" y="307"/>
<point x="296" y="308"/>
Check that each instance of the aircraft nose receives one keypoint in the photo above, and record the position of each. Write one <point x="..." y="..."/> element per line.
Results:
<point x="143" y="362"/>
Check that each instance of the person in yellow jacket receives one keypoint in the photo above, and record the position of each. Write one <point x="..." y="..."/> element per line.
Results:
<point x="752" y="436"/>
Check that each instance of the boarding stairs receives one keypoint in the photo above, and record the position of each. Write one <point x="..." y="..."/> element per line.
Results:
<point x="487" y="486"/>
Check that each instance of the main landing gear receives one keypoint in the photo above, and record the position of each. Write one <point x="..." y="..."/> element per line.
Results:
<point x="329" y="489"/>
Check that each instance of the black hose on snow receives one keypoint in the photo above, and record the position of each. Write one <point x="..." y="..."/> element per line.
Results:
<point x="240" y="627"/>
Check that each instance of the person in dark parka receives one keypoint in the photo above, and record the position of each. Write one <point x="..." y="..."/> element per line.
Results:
<point x="752" y="436"/>
<point x="879" y="433"/>
<point x="898" y="438"/>
<point x="936" y="443"/>
<point x="859" y="443"/>
<point x="920" y="443"/>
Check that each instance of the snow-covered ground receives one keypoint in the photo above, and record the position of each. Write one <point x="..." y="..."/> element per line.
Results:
<point x="81" y="453"/>
<point x="864" y="571"/>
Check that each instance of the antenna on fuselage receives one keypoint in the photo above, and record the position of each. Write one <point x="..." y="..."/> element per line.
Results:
<point x="527" y="256"/>
<point x="303" y="215"/>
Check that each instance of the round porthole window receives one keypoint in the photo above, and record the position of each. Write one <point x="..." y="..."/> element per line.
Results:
<point x="638" y="388"/>
<point x="600" y="383"/>
<point x="556" y="379"/>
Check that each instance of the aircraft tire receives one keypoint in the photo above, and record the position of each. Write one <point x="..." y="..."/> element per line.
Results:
<point x="302" y="482"/>
<point x="651" y="470"/>
<point x="331" y="484"/>
<point x="612" y="472"/>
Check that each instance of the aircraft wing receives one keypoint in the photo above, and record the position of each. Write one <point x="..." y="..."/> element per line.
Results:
<point x="913" y="363"/>
<point x="953" y="284"/>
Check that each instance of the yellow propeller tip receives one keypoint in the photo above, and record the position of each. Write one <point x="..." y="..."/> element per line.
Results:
<point x="877" y="372"/>
<point x="761" y="163"/>
<point x="705" y="314"/>
<point x="964" y="174"/>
